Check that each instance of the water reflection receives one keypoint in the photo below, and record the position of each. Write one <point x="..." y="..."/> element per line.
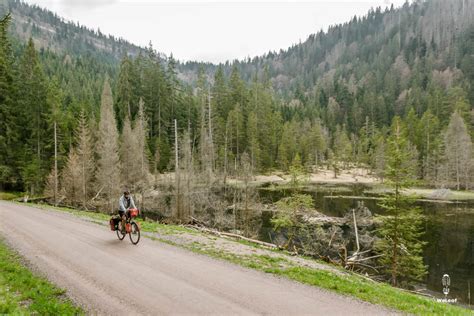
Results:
<point x="449" y="232"/>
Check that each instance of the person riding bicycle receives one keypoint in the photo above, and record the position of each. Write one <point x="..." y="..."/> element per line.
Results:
<point x="125" y="204"/>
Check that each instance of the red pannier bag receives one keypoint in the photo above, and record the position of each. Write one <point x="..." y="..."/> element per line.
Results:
<point x="134" y="212"/>
<point x="112" y="224"/>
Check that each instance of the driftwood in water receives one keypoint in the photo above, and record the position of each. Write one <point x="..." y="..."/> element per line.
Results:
<point x="357" y="259"/>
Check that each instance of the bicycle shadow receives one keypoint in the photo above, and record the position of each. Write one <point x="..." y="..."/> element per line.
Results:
<point x="112" y="242"/>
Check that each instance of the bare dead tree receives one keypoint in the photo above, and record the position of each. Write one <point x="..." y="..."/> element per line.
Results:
<point x="71" y="175"/>
<point x="458" y="152"/>
<point x="85" y="154"/>
<point x="108" y="171"/>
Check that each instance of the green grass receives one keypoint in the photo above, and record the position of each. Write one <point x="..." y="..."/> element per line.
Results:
<point x="426" y="193"/>
<point x="349" y="284"/>
<point x="377" y="293"/>
<point x="145" y="225"/>
<point x="8" y="196"/>
<point x="23" y="293"/>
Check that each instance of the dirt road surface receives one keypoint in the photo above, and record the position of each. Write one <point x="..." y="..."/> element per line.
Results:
<point x="108" y="276"/>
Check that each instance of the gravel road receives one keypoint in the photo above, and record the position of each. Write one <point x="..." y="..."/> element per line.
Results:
<point x="108" y="276"/>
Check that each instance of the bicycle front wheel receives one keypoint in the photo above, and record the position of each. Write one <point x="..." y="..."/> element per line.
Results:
<point x="135" y="233"/>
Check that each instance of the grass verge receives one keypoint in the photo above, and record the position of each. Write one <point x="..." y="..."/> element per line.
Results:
<point x="349" y="284"/>
<point x="99" y="218"/>
<point x="8" y="196"/>
<point x="23" y="293"/>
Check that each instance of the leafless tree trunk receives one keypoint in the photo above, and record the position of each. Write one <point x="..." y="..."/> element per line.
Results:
<point x="178" y="215"/>
<point x="55" y="164"/>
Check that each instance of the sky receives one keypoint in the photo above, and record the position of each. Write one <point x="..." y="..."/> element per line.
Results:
<point x="212" y="31"/>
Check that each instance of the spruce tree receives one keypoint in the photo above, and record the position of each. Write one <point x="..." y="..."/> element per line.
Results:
<point x="85" y="153"/>
<point x="253" y="140"/>
<point x="400" y="227"/>
<point x="287" y="219"/>
<point x="288" y="147"/>
<point x="125" y="99"/>
<point x="71" y="179"/>
<point x="342" y="146"/>
<point x="127" y="154"/>
<point x="108" y="166"/>
<point x="458" y="153"/>
<point x="33" y="117"/>
<point x="8" y="128"/>
<point x="141" y="151"/>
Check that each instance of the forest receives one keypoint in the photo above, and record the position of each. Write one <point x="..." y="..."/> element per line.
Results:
<point x="342" y="117"/>
<point x="387" y="92"/>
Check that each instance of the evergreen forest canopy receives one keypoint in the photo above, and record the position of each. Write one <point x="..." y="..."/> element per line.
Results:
<point x="329" y="101"/>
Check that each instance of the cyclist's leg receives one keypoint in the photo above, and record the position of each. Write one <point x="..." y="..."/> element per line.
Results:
<point x="122" y="218"/>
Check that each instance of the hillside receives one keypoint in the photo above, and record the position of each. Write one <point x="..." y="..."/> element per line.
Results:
<point x="328" y="100"/>
<point x="391" y="42"/>
<point x="394" y="43"/>
<point x="51" y="32"/>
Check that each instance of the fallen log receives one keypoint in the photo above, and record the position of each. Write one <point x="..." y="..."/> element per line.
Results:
<point x="27" y="199"/>
<point x="236" y="236"/>
<point x="98" y="193"/>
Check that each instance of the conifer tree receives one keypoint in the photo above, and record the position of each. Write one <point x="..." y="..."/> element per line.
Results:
<point x="253" y="140"/>
<point x="108" y="166"/>
<point x="85" y="153"/>
<point x="236" y="133"/>
<point x="50" y="189"/>
<point x="124" y="91"/>
<point x="71" y="179"/>
<point x="287" y="219"/>
<point x="428" y="136"/>
<point x="458" y="153"/>
<point x="318" y="143"/>
<point x="288" y="147"/>
<point x="380" y="157"/>
<point x="34" y="119"/>
<point x="342" y="146"/>
<point x="401" y="227"/>
<point x="127" y="154"/>
<point x="220" y="109"/>
<point x="8" y="121"/>
<point x="141" y="153"/>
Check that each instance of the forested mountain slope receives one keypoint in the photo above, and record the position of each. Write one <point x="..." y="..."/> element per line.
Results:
<point x="327" y="101"/>
<point x="414" y="44"/>
<point x="51" y="32"/>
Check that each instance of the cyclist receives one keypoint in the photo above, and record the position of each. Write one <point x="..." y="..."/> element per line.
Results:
<point x="125" y="203"/>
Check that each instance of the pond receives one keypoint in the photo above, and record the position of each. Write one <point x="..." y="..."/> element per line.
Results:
<point x="449" y="231"/>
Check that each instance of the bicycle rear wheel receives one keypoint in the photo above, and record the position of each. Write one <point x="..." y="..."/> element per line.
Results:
<point x="135" y="233"/>
<point x="120" y="235"/>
